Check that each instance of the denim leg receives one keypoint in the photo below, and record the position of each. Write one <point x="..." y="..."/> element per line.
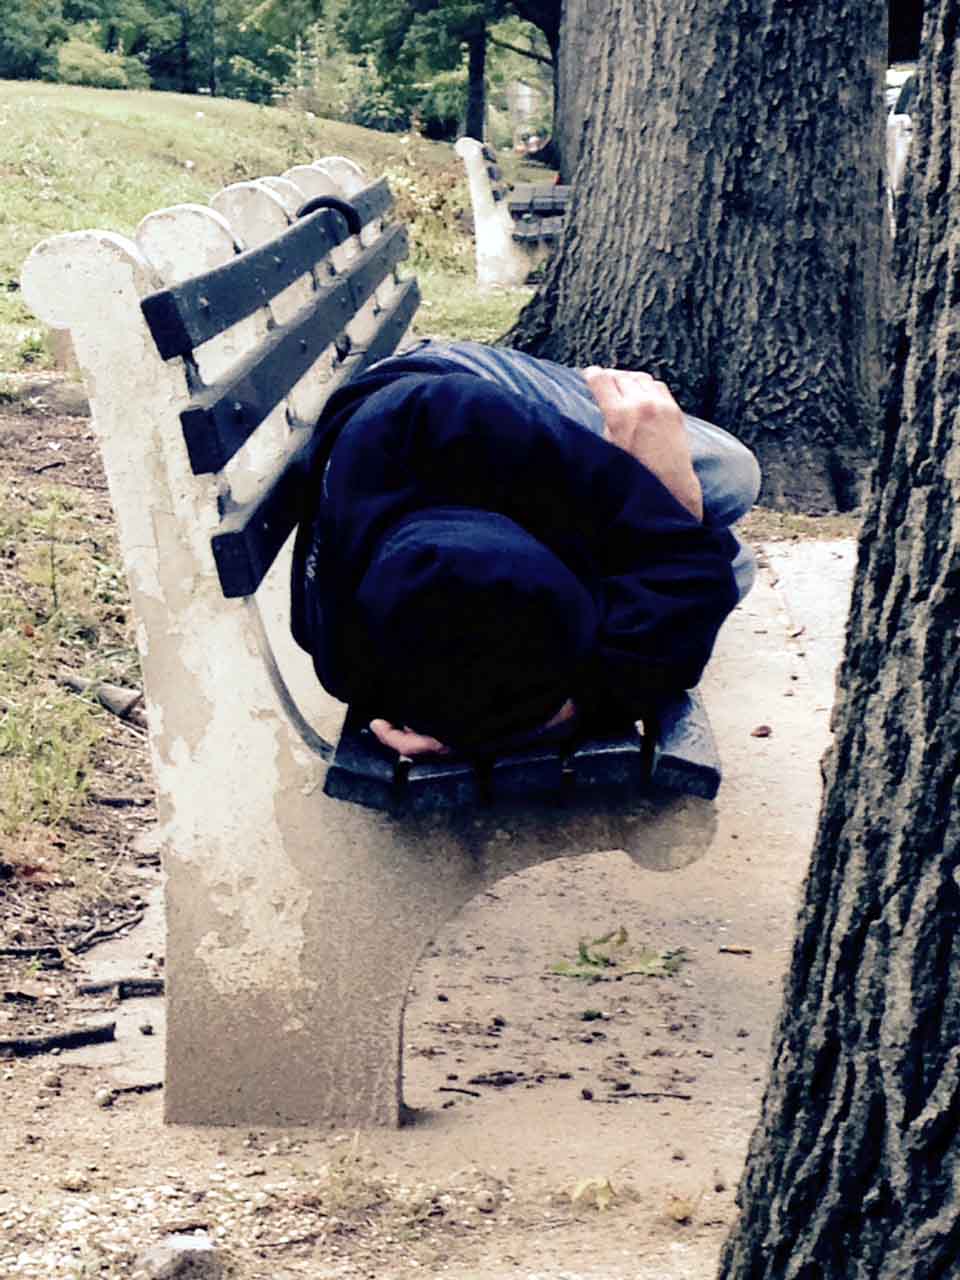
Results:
<point x="728" y="472"/>
<point x="729" y="476"/>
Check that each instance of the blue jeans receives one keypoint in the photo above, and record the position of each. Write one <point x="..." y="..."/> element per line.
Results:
<point x="728" y="472"/>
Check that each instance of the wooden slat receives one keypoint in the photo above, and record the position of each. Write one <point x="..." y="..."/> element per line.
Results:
<point x="204" y="306"/>
<point x="685" y="761"/>
<point x="251" y="535"/>
<point x="440" y="784"/>
<point x="527" y="773"/>
<point x="538" y="198"/>
<point x="619" y="762"/>
<point x="363" y="770"/>
<point x="532" y="230"/>
<point x="222" y="417"/>
<point x="685" y="756"/>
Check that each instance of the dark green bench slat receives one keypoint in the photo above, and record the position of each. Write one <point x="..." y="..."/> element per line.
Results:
<point x="527" y="773"/>
<point x="251" y="535"/>
<point x="530" y="198"/>
<point x="363" y="770"/>
<point x="223" y="417"/>
<point x="440" y="784"/>
<point x="682" y="759"/>
<point x="611" y="762"/>
<point x="529" y="230"/>
<point x="685" y="756"/>
<point x="190" y="314"/>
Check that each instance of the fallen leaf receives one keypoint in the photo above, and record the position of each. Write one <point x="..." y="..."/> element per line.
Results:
<point x="597" y="1192"/>
<point x="609" y="956"/>
<point x="681" y="1209"/>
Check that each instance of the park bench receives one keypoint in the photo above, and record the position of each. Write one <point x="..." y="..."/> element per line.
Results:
<point x="302" y="883"/>
<point x="515" y="228"/>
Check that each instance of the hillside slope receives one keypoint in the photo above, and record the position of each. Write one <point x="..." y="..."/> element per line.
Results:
<point x="72" y="158"/>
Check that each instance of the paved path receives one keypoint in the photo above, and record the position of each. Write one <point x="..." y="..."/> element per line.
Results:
<point x="774" y="667"/>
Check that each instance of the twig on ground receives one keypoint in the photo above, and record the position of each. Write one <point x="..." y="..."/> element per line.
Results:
<point x="123" y="988"/>
<point x="123" y="703"/>
<point x="118" y="802"/>
<point x="28" y="1046"/>
<point x="54" y="950"/>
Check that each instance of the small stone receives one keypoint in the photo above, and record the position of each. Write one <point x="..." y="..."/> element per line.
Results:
<point x="586" y="1095"/>
<point x="146" y="1028"/>
<point x="51" y="1080"/>
<point x="104" y="1097"/>
<point x="180" y="1257"/>
<point x="74" y="1180"/>
<point x="679" y="1155"/>
<point x="484" y="1201"/>
<point x="761" y="731"/>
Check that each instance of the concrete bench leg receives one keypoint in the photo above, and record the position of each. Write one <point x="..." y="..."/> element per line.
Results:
<point x="288" y="966"/>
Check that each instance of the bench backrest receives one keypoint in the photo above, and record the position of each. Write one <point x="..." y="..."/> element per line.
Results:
<point x="319" y="340"/>
<point x="210" y="342"/>
<point x="515" y="228"/>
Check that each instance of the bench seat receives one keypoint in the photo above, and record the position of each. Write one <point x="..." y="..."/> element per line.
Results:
<point x="676" y="753"/>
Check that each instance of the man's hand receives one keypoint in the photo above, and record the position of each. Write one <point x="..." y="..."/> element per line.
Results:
<point x="642" y="417"/>
<point x="407" y="742"/>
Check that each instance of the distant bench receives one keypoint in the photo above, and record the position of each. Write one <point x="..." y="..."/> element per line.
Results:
<point x="210" y="342"/>
<point x="515" y="228"/>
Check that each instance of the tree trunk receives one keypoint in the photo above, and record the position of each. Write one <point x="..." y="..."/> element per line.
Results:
<point x="905" y="21"/>
<point x="726" y="229"/>
<point x="476" y="82"/>
<point x="575" y="72"/>
<point x="854" y="1169"/>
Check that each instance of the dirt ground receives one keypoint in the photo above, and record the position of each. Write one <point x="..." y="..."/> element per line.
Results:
<point x="562" y="1126"/>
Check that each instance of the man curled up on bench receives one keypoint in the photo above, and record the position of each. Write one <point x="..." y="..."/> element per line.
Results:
<point x="499" y="549"/>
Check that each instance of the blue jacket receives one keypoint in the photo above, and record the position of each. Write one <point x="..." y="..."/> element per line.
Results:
<point x="416" y="432"/>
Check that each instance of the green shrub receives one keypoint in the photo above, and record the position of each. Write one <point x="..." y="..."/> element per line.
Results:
<point x="83" y="63"/>
<point x="433" y="206"/>
<point x="138" y="76"/>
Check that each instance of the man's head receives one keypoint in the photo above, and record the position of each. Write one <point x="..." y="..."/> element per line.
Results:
<point x="479" y="630"/>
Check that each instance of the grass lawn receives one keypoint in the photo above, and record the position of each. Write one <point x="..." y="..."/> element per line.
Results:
<point x="73" y="158"/>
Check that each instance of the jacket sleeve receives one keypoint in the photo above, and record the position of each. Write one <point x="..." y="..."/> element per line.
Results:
<point x="663" y="579"/>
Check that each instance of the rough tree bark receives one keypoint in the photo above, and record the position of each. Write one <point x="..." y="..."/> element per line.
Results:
<point x="854" y="1169"/>
<point x="726" y="230"/>
<point x="575" y="71"/>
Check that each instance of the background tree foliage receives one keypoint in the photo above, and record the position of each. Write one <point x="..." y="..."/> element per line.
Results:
<point x="430" y="56"/>
<point x="380" y="63"/>
<point x="29" y="36"/>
